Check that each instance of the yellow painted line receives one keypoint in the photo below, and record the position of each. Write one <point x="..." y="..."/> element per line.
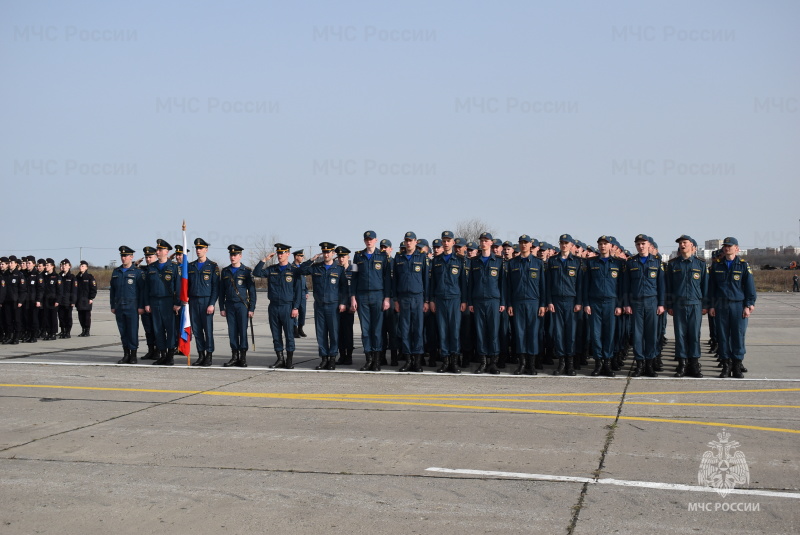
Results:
<point x="343" y="398"/>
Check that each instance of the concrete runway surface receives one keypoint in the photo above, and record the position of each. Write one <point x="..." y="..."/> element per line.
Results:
<point x="91" y="447"/>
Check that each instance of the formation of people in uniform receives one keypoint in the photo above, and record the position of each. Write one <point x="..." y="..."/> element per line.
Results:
<point x="478" y="306"/>
<point x="37" y="301"/>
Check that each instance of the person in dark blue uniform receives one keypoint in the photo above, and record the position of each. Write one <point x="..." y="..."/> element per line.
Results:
<point x="564" y="277"/>
<point x="643" y="299"/>
<point x="284" y="292"/>
<point x="389" y="340"/>
<point x="237" y="304"/>
<point x="347" y="316"/>
<point x="410" y="286"/>
<point x="526" y="290"/>
<point x="732" y="298"/>
<point x="203" y="294"/>
<point x="329" y="282"/>
<point x="372" y="284"/>
<point x="602" y="298"/>
<point x="127" y="303"/>
<point x="300" y="320"/>
<point x="686" y="281"/>
<point x="162" y="281"/>
<point x="448" y="300"/>
<point x="147" y="317"/>
<point x="486" y="300"/>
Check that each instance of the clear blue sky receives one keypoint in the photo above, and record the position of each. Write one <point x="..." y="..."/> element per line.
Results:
<point x="314" y="121"/>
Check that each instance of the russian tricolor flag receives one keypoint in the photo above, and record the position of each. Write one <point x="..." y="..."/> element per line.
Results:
<point x="184" y="344"/>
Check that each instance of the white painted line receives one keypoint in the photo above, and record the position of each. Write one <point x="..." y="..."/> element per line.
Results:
<point x="615" y="482"/>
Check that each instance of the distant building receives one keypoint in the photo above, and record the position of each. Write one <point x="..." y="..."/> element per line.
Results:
<point x="711" y="245"/>
<point x="791" y="250"/>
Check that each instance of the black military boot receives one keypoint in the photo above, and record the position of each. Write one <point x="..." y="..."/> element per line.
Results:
<point x="242" y="358"/>
<point x="380" y="356"/>
<point x="201" y="357"/>
<point x="453" y="366"/>
<point x="598" y="365"/>
<point x="482" y="366"/>
<point x="680" y="371"/>
<point x="694" y="368"/>
<point x="576" y="361"/>
<point x="606" y="369"/>
<point x="331" y="365"/>
<point x="234" y="359"/>
<point x="68" y="333"/>
<point x="537" y="361"/>
<point x="548" y="357"/>
<point x="393" y="361"/>
<point x="163" y="359"/>
<point x="368" y="364"/>
<point x="289" y="357"/>
<point x="492" y="365"/>
<point x="416" y="363"/>
<point x="736" y="369"/>
<point x="88" y="333"/>
<point x="560" y="368"/>
<point x="726" y="368"/>
<point x="296" y="333"/>
<point x="616" y="362"/>
<point x="465" y="361"/>
<point x="151" y="353"/>
<point x="638" y="368"/>
<point x="207" y="360"/>
<point x="124" y="360"/>
<point x="501" y="362"/>
<point x="741" y="365"/>
<point x="529" y="365"/>
<point x="520" y="364"/>
<point x="14" y="338"/>
<point x="658" y="365"/>
<point x="281" y="362"/>
<point x="323" y="365"/>
<point x="650" y="368"/>
<point x="568" y="368"/>
<point x="301" y="333"/>
<point x="132" y="356"/>
<point x="377" y="360"/>
<point x="83" y="333"/>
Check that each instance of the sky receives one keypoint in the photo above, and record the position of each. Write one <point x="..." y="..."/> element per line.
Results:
<point x="304" y="122"/>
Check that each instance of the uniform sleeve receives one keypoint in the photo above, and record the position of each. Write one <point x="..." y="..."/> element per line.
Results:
<point x="426" y="280"/>
<point x="145" y="289"/>
<point x="92" y="287"/>
<point x="661" y="289"/>
<point x="22" y="289"/>
<point x="112" y="291"/>
<point x="462" y="281"/>
<point x="668" y="297"/>
<point x="305" y="268"/>
<point x="214" y="285"/>
<point x="141" y="289"/>
<point x="502" y="283"/>
<point x="712" y="288"/>
<point x="387" y="278"/>
<point x="704" y="286"/>
<point x="543" y="285"/>
<point x="176" y="285"/>
<point x="585" y="281"/>
<point x="40" y="289"/>
<point x="470" y="282"/>
<point x="72" y="291"/>
<point x="297" y="278"/>
<point x="355" y="276"/>
<point x="624" y="285"/>
<point x="260" y="270"/>
<point x="344" y="289"/>
<point x="223" y="292"/>
<point x="251" y="291"/>
<point x="749" y="286"/>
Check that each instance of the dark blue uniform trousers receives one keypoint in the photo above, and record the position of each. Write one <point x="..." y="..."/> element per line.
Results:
<point x="147" y="325"/>
<point x="128" y="325"/>
<point x="202" y="323"/>
<point x="565" y="322"/>
<point x="236" y="314"/>
<point x="526" y="323"/>
<point x="281" y="324"/>
<point x="370" y="314"/>
<point x="326" y="322"/>
<point x="602" y="324"/>
<point x="686" y="320"/>
<point x="646" y="330"/>
<point x="487" y="326"/>
<point x="731" y="327"/>
<point x="300" y="320"/>
<point x="163" y="322"/>
<point x="409" y="324"/>
<point x="448" y="321"/>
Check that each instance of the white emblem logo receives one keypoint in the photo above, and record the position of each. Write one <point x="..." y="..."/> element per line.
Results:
<point x="722" y="469"/>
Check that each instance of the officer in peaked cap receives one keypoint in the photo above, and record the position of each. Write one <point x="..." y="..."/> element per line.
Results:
<point x="330" y="299"/>
<point x="203" y="277"/>
<point x="300" y="321"/>
<point x="564" y="285"/>
<point x="161" y="298"/>
<point x="486" y="297"/>
<point x="602" y="298"/>
<point x="732" y="298"/>
<point x="448" y="300"/>
<point x="410" y="286"/>
<point x="686" y="281"/>
<point x="371" y="293"/>
<point x="284" y="293"/>
<point x="526" y="280"/>
<point x="237" y="303"/>
<point x="126" y="299"/>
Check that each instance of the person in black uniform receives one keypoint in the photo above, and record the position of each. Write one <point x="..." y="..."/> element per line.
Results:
<point x="16" y="294"/>
<point x="69" y="294"/>
<point x="51" y="295"/>
<point x="237" y="303"/>
<point x="127" y="303"/>
<point x="283" y="292"/>
<point x="161" y="294"/>
<point x="147" y="317"/>
<point x="4" y="332"/>
<point x="87" y="291"/>
<point x="40" y="333"/>
<point x="34" y="301"/>
<point x="203" y="294"/>
<point x="347" y="316"/>
<point x="300" y="320"/>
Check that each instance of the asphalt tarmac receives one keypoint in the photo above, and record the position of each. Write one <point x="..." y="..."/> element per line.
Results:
<point x="88" y="446"/>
